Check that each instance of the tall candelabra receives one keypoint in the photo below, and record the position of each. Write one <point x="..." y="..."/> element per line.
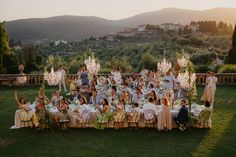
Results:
<point x="164" y="66"/>
<point x="92" y="66"/>
<point x="188" y="78"/>
<point x="52" y="78"/>
<point x="183" y="62"/>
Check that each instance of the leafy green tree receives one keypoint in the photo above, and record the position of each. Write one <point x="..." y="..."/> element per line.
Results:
<point x="75" y="62"/>
<point x="28" y="57"/>
<point x="148" y="61"/>
<point x="203" y="59"/>
<point x="208" y="26"/>
<point x="4" y="46"/>
<point x="10" y="63"/>
<point x="121" y="63"/>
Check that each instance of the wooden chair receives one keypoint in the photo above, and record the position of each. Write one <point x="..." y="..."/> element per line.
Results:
<point x="149" y="118"/>
<point x="85" y="118"/>
<point x="133" y="118"/>
<point x="25" y="119"/>
<point x="203" y="120"/>
<point x="44" y="118"/>
<point x="64" y="121"/>
<point x="102" y="120"/>
<point x="118" y="118"/>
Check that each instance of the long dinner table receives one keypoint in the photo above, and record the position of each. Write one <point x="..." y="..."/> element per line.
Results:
<point x="196" y="109"/>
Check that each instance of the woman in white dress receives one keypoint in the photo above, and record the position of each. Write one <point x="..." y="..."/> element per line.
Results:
<point x="206" y="93"/>
<point x="212" y="87"/>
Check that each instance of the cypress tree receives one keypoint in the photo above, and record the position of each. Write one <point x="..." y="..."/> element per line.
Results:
<point x="231" y="58"/>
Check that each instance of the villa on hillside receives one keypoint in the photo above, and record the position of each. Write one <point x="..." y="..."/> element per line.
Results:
<point x="130" y="32"/>
<point x="194" y="27"/>
<point x="141" y="28"/>
<point x="171" y="27"/>
<point x="110" y="37"/>
<point x="58" y="42"/>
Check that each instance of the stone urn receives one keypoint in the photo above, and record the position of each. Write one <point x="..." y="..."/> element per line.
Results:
<point x="21" y="68"/>
<point x="21" y="79"/>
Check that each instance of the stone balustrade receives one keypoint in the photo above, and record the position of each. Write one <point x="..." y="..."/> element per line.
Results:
<point x="223" y="78"/>
<point x="37" y="79"/>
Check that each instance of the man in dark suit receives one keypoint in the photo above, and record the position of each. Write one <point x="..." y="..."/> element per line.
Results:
<point x="182" y="118"/>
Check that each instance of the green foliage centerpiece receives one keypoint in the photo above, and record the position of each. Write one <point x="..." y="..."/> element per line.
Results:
<point x="187" y="79"/>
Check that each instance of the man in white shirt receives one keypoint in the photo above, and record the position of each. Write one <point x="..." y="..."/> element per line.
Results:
<point x="169" y="80"/>
<point x="137" y="96"/>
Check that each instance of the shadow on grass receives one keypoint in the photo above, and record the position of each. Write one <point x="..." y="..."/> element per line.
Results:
<point x="221" y="137"/>
<point x="226" y="145"/>
<point x="110" y="142"/>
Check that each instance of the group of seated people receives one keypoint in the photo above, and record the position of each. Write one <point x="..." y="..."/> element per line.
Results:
<point x="143" y="92"/>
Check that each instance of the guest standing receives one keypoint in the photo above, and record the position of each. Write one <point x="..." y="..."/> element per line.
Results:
<point x="164" y="118"/>
<point x="84" y="77"/>
<point x="210" y="88"/>
<point x="62" y="74"/>
<point x="182" y="118"/>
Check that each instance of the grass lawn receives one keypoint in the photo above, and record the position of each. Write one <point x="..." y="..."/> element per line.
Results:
<point x="216" y="142"/>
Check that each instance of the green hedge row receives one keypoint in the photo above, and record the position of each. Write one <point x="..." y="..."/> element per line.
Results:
<point x="227" y="68"/>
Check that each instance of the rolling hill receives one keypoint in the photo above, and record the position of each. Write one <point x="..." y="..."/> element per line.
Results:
<point x="75" y="28"/>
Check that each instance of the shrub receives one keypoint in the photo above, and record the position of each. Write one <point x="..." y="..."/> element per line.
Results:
<point x="202" y="68"/>
<point x="217" y="67"/>
<point x="201" y="59"/>
<point x="121" y="63"/>
<point x="148" y="61"/>
<point x="105" y="70"/>
<point x="228" y="68"/>
<point x="197" y="42"/>
<point x="183" y="41"/>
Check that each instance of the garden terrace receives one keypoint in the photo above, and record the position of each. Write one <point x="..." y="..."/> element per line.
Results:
<point x="37" y="79"/>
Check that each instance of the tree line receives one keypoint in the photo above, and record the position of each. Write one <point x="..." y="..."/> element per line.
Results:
<point x="129" y="57"/>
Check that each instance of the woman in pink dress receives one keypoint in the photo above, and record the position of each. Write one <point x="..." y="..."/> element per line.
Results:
<point x="164" y="117"/>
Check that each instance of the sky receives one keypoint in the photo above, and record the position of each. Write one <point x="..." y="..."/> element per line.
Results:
<point x="109" y="9"/>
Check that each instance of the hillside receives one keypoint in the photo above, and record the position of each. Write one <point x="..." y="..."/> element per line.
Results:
<point x="75" y="28"/>
<point x="70" y="28"/>
<point x="181" y="16"/>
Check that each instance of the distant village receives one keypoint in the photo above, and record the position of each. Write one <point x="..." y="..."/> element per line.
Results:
<point x="149" y="29"/>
